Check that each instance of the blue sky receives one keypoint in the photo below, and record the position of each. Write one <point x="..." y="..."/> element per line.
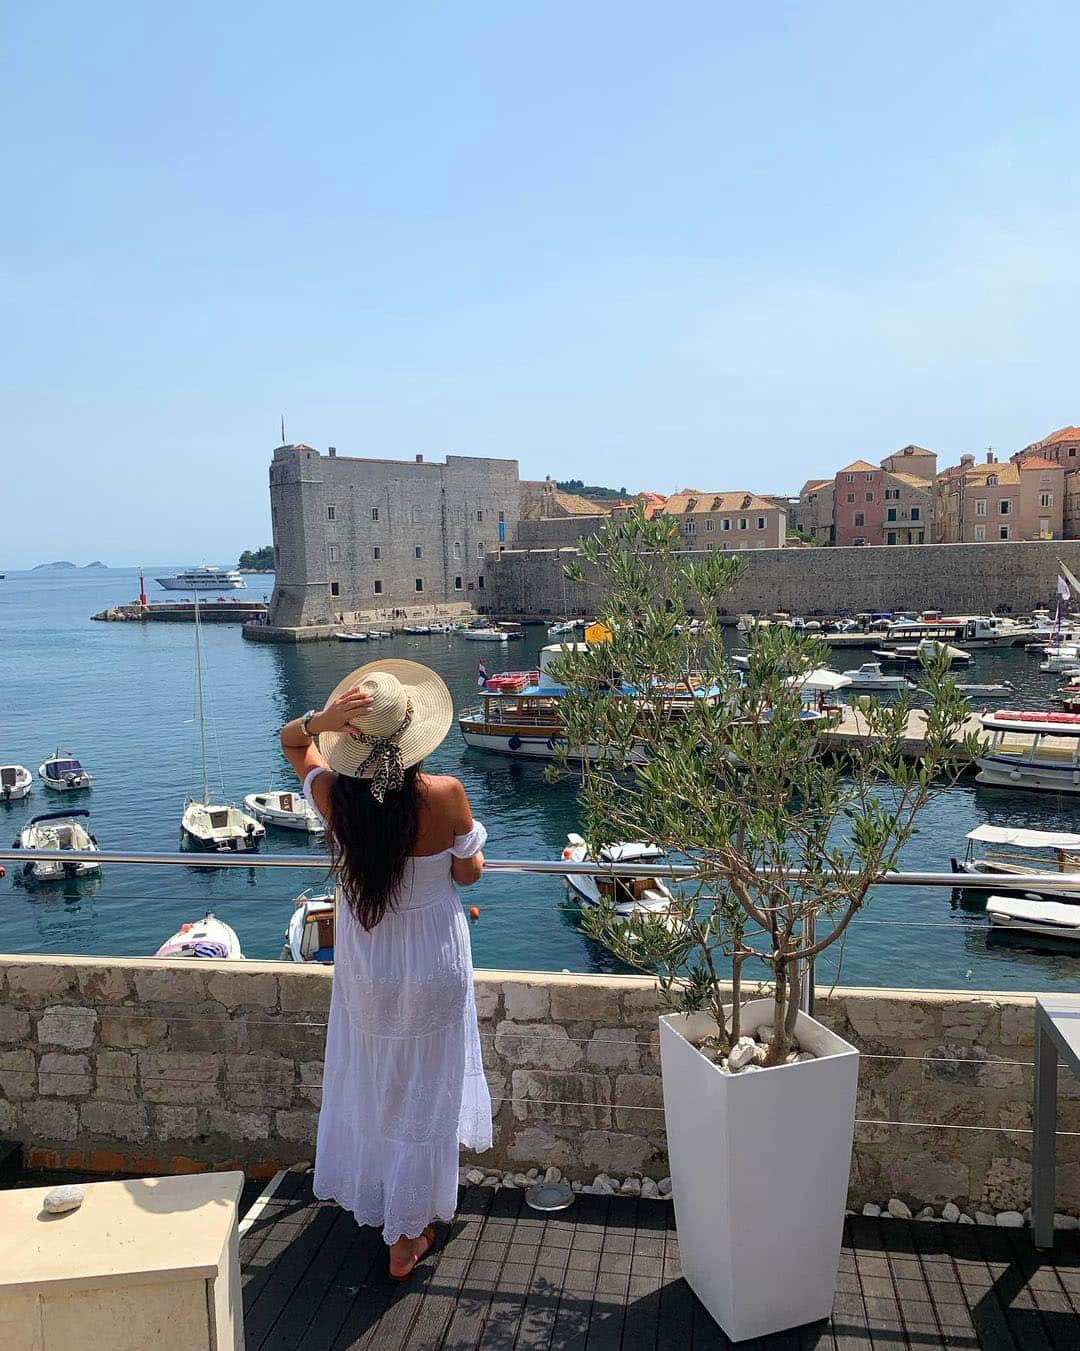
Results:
<point x="702" y="244"/>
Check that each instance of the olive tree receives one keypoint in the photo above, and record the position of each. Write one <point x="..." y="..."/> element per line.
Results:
<point x="720" y="766"/>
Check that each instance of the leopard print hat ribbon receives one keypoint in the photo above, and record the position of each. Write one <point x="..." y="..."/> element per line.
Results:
<point x="384" y="757"/>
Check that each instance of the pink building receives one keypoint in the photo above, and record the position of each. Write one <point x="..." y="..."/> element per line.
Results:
<point x="859" y="504"/>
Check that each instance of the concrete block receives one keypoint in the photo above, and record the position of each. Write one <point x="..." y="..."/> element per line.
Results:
<point x="104" y="984"/>
<point x="643" y="1095"/>
<point x="259" y="1081"/>
<point x="175" y="1123"/>
<point x="49" y="1119"/>
<point x="178" y="1077"/>
<point x="591" y="1000"/>
<point x="297" y="1125"/>
<point x="526" y="1003"/>
<point x="554" y="1098"/>
<point x="64" y="1076"/>
<point x="543" y="1045"/>
<point x="239" y="987"/>
<point x="14" y="1025"/>
<point x="40" y="980"/>
<point x="613" y="1048"/>
<point x="117" y="1076"/>
<point x="17" y="1073"/>
<point x="305" y="989"/>
<point x="115" y="1121"/>
<point x="237" y="1125"/>
<point x="67" y="1025"/>
<point x="270" y="1035"/>
<point x="131" y="1029"/>
<point x="171" y="985"/>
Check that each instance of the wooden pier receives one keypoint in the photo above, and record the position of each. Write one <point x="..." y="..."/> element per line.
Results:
<point x="852" y="733"/>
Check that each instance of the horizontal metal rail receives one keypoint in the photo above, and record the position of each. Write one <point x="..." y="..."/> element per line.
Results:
<point x="978" y="881"/>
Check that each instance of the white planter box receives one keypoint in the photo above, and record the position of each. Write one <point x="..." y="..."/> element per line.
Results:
<point x="759" y="1173"/>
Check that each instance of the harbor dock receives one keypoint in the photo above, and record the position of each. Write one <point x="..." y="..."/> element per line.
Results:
<point x="853" y="732"/>
<point x="181" y="612"/>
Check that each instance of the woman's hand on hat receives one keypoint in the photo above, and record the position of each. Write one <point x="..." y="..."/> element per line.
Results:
<point x="337" y="714"/>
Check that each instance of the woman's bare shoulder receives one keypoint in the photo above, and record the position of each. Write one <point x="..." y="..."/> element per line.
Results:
<point x="447" y="795"/>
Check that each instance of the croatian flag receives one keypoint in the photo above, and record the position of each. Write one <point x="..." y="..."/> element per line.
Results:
<point x="1063" y="589"/>
<point x="481" y="676"/>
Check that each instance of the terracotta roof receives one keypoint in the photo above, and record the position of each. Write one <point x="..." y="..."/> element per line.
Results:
<point x="702" y="503"/>
<point x="1062" y="434"/>
<point x="576" y="505"/>
<point x="652" y="499"/>
<point x="856" y="465"/>
<point x="813" y="484"/>
<point x="911" y="450"/>
<point x="1007" y="474"/>
<point x="912" y="480"/>
<point x="1038" y="462"/>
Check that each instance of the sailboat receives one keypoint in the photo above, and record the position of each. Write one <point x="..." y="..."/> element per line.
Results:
<point x="217" y="827"/>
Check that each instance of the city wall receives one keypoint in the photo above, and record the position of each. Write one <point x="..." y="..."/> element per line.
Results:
<point x="149" y="1066"/>
<point x="958" y="578"/>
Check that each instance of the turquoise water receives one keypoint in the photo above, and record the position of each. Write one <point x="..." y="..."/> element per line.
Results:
<point x="121" y="698"/>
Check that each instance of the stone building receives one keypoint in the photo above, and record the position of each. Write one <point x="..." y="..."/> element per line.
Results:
<point x="814" y="514"/>
<point x="731" y="521"/>
<point x="890" y="503"/>
<point x="1020" y="499"/>
<point x="1063" y="448"/>
<point x="361" y="538"/>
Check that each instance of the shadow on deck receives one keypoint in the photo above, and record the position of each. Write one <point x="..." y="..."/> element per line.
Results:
<point x="605" y="1274"/>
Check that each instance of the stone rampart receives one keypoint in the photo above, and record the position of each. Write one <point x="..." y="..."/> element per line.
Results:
<point x="149" y="1066"/>
<point x="957" y="578"/>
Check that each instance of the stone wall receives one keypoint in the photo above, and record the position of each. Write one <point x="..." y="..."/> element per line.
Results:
<point x="154" y="1066"/>
<point x="958" y="578"/>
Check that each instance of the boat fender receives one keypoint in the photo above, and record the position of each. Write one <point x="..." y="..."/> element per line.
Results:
<point x="515" y="742"/>
<point x="3" y="871"/>
<point x="1014" y="774"/>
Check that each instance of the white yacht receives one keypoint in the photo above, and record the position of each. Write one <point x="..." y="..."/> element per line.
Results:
<point x="1031" y="751"/>
<point x="58" y="830"/>
<point x="869" y="676"/>
<point x="204" y="579"/>
<point x="63" y="773"/>
<point x="290" y="810"/>
<point x="485" y="635"/>
<point x="15" y="782"/>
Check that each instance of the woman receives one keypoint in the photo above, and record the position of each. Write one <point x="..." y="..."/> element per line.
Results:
<point x="403" y="1082"/>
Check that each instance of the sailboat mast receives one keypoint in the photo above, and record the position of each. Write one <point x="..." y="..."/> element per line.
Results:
<point x="199" y="690"/>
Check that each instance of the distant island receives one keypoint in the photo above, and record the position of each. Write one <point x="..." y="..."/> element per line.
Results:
<point x="97" y="563"/>
<point x="63" y="563"/>
<point x="257" y="560"/>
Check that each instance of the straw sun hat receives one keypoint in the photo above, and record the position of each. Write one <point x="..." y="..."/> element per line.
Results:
<point x="410" y="715"/>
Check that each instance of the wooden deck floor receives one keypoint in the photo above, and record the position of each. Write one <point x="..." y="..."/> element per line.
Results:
<point x="605" y="1274"/>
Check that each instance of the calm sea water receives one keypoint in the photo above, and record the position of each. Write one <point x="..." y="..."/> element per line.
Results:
<point x="121" y="698"/>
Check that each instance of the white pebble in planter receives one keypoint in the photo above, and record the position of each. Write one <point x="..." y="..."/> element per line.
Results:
<point x="62" y="1199"/>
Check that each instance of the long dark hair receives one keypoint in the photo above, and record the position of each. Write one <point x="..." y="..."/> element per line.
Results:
<point x="370" y="842"/>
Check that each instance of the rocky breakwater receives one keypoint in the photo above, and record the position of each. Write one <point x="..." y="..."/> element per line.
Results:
<point x="117" y="614"/>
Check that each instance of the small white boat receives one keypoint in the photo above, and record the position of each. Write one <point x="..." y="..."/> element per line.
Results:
<point x="644" y="895"/>
<point x="374" y="635"/>
<point x="63" y="773"/>
<point x="564" y="626"/>
<point x="220" y="828"/>
<point x="309" y="936"/>
<point x="1060" y="659"/>
<point x="344" y="637"/>
<point x="912" y="654"/>
<point x="208" y="937"/>
<point x="1020" y="852"/>
<point x="58" y="830"/>
<point x="421" y="629"/>
<point x="485" y="635"/>
<point x="1051" y="919"/>
<point x="869" y="676"/>
<point x="1031" y="751"/>
<point x="290" y="810"/>
<point x="15" y="782"/>
<point x="1006" y="687"/>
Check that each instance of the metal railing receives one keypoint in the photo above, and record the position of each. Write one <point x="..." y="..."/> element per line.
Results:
<point x="975" y="881"/>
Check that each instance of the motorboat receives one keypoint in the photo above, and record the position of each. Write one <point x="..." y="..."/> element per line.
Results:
<point x="1051" y="919"/>
<point x="376" y="635"/>
<point x="970" y="630"/>
<point x="1019" y="852"/>
<point x="288" y="809"/>
<point x="1058" y="660"/>
<point x="63" y="773"/>
<point x="204" y="579"/>
<point x="913" y="654"/>
<point x="1004" y="687"/>
<point x="1037" y="750"/>
<point x="16" y="782"/>
<point x="420" y="629"/>
<point x="217" y="827"/>
<point x="563" y="626"/>
<point x="58" y="830"/>
<point x="208" y="937"/>
<point x="869" y="676"/>
<point x="485" y="635"/>
<point x="627" y="896"/>
<point x="345" y="637"/>
<point x="309" y="936"/>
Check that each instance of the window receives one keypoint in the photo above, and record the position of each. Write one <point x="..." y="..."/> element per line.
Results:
<point x="869" y="497"/>
<point x="709" y="524"/>
<point x="332" y="553"/>
<point x="869" y="478"/>
<point x="851" y="478"/>
<point x="725" y="524"/>
<point x="335" y="588"/>
<point x="502" y="517"/>
<point x="890" y="515"/>
<point x="859" y="518"/>
<point x="479" y="548"/>
<point x="761" y="522"/>
<point x="1046" y="500"/>
<point x="743" y="523"/>
<point x="419" y="585"/>
<point x="851" y="497"/>
<point x="479" y="518"/>
<point x="980" y="506"/>
<point x="1044" y="526"/>
<point x="331" y="513"/>
<point x="377" y="584"/>
<point x="1072" y="452"/>
<point x="1005" y="506"/>
<point x="980" y="534"/>
<point x="374" y="513"/>
<point x="916" y="514"/>
<point x="921" y="537"/>
<point x="890" y="538"/>
<point x="376" y="553"/>
<point x="457" y="548"/>
<point x="689" y="527"/>
<point x="417" y="552"/>
<point x="457" y="583"/>
<point x="480" y="581"/>
<point x="892" y="494"/>
<point x="1003" y="532"/>
<point x="991" y="480"/>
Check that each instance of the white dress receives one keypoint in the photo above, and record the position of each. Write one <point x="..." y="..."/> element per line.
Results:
<point x="403" y="1079"/>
